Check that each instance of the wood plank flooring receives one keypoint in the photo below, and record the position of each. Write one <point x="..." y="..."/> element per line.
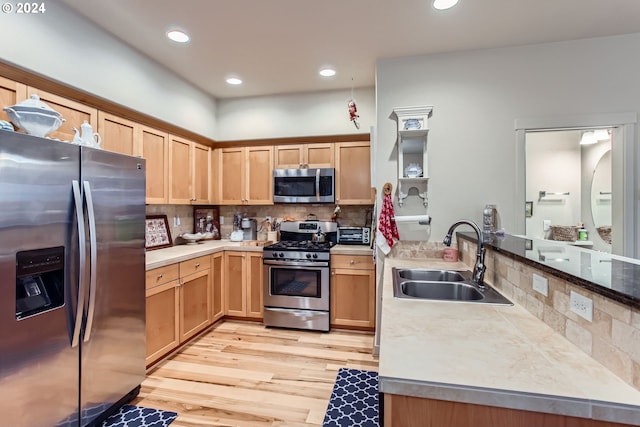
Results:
<point x="243" y="374"/>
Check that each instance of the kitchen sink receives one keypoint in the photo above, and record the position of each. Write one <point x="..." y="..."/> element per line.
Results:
<point x="442" y="285"/>
<point x="433" y="275"/>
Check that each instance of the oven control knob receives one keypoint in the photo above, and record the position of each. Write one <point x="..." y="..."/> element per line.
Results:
<point x="308" y="255"/>
<point x="281" y="255"/>
<point x="315" y="255"/>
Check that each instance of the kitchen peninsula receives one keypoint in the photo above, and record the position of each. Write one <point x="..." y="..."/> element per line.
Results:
<point x="456" y="363"/>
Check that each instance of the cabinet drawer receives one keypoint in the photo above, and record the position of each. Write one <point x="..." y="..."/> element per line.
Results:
<point x="194" y="265"/>
<point x="159" y="276"/>
<point x="361" y="262"/>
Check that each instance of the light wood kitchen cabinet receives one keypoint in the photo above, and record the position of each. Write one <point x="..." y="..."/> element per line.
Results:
<point x="243" y="284"/>
<point x="162" y="311"/>
<point x="154" y="147"/>
<point x="353" y="173"/>
<point x="353" y="292"/>
<point x="304" y="156"/>
<point x="246" y="175"/>
<point x="74" y="113"/>
<point x="11" y="93"/>
<point x="118" y="134"/>
<point x="189" y="172"/>
<point x="195" y="296"/>
<point x="217" y="286"/>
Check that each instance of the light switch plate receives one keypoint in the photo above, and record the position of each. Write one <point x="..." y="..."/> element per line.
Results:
<point x="540" y="284"/>
<point x="546" y="224"/>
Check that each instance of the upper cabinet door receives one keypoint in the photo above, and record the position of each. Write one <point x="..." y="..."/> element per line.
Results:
<point x="232" y="176"/>
<point x="74" y="113"/>
<point x="180" y="171"/>
<point x="201" y="174"/>
<point x="10" y="94"/>
<point x="353" y="173"/>
<point x="289" y="156"/>
<point x="304" y="156"/>
<point x="118" y="134"/>
<point x="154" y="147"/>
<point x="259" y="175"/>
<point x="319" y="155"/>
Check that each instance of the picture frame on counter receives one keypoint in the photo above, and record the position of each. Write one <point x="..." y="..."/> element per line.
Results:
<point x="157" y="232"/>
<point x="206" y="219"/>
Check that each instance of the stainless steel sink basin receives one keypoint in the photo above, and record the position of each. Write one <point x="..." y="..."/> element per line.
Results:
<point x="454" y="291"/>
<point x="433" y="275"/>
<point x="442" y="285"/>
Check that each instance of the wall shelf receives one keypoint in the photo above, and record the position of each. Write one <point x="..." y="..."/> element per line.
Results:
<point x="413" y="129"/>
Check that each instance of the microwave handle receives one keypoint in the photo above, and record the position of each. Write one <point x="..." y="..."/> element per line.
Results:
<point x="318" y="184"/>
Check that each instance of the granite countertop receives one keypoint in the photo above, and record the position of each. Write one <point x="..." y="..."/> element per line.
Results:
<point x="491" y="355"/>
<point x="612" y="276"/>
<point x="166" y="256"/>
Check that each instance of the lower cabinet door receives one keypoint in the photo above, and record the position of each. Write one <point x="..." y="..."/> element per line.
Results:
<point x="162" y="320"/>
<point x="217" y="286"/>
<point x="353" y="298"/>
<point x="195" y="304"/>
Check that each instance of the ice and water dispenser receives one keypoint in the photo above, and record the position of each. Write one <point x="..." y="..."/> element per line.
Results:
<point x="39" y="281"/>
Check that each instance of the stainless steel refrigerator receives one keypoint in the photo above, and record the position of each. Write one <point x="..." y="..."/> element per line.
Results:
<point x="72" y="294"/>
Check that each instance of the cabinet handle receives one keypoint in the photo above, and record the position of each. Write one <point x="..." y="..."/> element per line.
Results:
<point x="352" y="262"/>
<point x="160" y="276"/>
<point x="197" y="265"/>
<point x="333" y="273"/>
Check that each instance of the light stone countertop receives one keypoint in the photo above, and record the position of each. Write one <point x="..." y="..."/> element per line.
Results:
<point x="166" y="256"/>
<point x="491" y="355"/>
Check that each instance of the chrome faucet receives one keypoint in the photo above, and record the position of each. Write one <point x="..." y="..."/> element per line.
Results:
<point x="479" y="268"/>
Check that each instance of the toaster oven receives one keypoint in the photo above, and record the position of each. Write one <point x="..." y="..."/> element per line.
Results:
<point x="354" y="235"/>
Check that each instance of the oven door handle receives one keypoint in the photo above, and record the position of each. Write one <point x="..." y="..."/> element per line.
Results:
<point x="314" y="264"/>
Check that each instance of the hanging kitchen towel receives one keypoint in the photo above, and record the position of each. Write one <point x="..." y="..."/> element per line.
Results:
<point x="387" y="226"/>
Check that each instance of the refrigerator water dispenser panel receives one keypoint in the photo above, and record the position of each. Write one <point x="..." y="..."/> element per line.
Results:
<point x="39" y="281"/>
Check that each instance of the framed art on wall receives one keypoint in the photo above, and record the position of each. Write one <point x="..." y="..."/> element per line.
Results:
<point x="157" y="232"/>
<point x="206" y="219"/>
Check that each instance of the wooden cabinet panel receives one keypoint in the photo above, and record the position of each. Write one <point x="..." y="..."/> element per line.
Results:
<point x="180" y="169"/>
<point x="73" y="112"/>
<point x="195" y="265"/>
<point x="217" y="286"/>
<point x="254" y="285"/>
<point x="162" y="314"/>
<point x="259" y="176"/>
<point x="214" y="176"/>
<point x="353" y="173"/>
<point x="195" y="303"/>
<point x="118" y="134"/>
<point x="243" y="284"/>
<point x="232" y="176"/>
<point x="235" y="279"/>
<point x="159" y="276"/>
<point x="201" y="174"/>
<point x="304" y="156"/>
<point x="10" y="94"/>
<point x="353" y="291"/>
<point x="154" y="147"/>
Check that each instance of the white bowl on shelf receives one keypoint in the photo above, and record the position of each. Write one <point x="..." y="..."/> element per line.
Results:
<point x="192" y="239"/>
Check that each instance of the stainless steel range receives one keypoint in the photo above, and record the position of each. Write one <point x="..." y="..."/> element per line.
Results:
<point x="296" y="276"/>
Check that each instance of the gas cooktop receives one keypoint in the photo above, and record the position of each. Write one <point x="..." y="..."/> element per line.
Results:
<point x="302" y="245"/>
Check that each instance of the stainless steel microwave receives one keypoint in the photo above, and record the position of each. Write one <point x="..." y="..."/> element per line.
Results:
<point x="304" y="185"/>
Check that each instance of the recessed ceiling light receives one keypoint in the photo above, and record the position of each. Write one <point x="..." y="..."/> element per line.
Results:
<point x="327" y="72"/>
<point x="178" y="36"/>
<point x="234" y="81"/>
<point x="444" y="4"/>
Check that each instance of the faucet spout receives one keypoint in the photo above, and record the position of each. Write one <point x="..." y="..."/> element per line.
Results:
<point x="479" y="267"/>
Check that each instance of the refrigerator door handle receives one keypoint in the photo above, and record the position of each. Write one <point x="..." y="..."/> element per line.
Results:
<point x="77" y="198"/>
<point x="93" y="257"/>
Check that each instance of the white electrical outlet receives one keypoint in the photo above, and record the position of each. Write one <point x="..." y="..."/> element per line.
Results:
<point x="541" y="284"/>
<point x="221" y="220"/>
<point x="546" y="224"/>
<point x="465" y="246"/>
<point x="581" y="305"/>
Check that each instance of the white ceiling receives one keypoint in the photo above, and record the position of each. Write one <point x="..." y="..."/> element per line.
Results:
<point x="278" y="46"/>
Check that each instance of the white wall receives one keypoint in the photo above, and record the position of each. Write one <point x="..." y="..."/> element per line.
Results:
<point x="477" y="95"/>
<point x="305" y="114"/>
<point x="63" y="46"/>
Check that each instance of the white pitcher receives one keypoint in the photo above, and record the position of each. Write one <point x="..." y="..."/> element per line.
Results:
<point x="86" y="136"/>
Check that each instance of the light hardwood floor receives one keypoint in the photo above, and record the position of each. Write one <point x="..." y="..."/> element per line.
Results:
<point x="243" y="374"/>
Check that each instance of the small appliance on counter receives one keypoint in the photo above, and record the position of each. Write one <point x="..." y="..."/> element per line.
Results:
<point x="249" y="229"/>
<point x="237" y="235"/>
<point x="354" y="235"/>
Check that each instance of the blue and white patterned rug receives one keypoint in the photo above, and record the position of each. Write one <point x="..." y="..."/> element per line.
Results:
<point x="354" y="400"/>
<point x="137" y="416"/>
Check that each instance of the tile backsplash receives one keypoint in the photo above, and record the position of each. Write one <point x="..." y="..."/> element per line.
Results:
<point x="349" y="215"/>
<point x="612" y="337"/>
